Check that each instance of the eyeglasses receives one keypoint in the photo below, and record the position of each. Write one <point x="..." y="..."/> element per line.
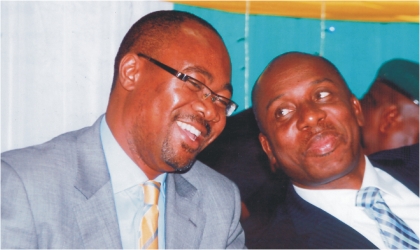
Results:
<point x="196" y="86"/>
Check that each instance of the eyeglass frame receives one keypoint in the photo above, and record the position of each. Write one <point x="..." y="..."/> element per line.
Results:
<point x="231" y="106"/>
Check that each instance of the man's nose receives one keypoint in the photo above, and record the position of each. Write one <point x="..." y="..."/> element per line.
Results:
<point x="310" y="115"/>
<point x="207" y="109"/>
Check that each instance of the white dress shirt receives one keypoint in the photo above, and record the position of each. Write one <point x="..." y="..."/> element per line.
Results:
<point x="126" y="179"/>
<point x="340" y="203"/>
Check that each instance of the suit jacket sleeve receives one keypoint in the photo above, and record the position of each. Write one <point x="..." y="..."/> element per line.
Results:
<point x="58" y="195"/>
<point x="236" y="238"/>
<point x="17" y="224"/>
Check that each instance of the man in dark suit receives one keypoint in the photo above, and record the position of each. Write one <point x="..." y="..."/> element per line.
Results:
<point x="310" y="128"/>
<point x="89" y="188"/>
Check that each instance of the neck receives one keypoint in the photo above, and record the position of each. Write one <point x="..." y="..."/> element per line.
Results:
<point x="114" y="120"/>
<point x="348" y="180"/>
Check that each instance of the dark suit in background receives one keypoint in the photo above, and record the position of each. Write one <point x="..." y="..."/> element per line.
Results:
<point x="237" y="154"/>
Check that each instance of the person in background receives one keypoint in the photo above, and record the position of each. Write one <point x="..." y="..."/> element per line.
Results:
<point x="237" y="154"/>
<point x="310" y="127"/>
<point x="391" y="107"/>
<point x="131" y="180"/>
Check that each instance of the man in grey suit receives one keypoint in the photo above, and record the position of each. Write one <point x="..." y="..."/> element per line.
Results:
<point x="84" y="189"/>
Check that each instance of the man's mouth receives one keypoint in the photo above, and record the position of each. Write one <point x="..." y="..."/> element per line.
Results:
<point x="323" y="143"/>
<point x="193" y="132"/>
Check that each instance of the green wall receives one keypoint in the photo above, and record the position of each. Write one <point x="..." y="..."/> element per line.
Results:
<point x="356" y="48"/>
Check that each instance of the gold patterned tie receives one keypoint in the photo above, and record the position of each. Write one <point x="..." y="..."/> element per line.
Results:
<point x="149" y="222"/>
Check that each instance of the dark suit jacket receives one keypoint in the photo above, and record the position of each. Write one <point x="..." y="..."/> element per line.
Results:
<point x="237" y="154"/>
<point x="299" y="224"/>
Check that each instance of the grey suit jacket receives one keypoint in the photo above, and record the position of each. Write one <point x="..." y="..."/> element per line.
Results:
<point x="59" y="195"/>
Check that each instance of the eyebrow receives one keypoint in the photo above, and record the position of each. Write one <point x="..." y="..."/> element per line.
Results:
<point x="317" y="81"/>
<point x="197" y="69"/>
<point x="229" y="87"/>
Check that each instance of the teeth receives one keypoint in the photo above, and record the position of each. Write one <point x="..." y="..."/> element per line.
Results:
<point x="189" y="128"/>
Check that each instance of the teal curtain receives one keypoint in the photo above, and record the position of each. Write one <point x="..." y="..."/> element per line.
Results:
<point x="356" y="48"/>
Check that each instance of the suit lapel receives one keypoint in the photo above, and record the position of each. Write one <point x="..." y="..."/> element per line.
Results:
<point x="185" y="218"/>
<point x="401" y="174"/>
<point x="95" y="213"/>
<point x="320" y="229"/>
<point x="401" y="163"/>
<point x="344" y="236"/>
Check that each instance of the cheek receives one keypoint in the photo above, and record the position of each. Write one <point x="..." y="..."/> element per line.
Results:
<point x="216" y="130"/>
<point x="220" y="126"/>
<point x="156" y="111"/>
<point x="411" y="129"/>
<point x="344" y="118"/>
<point x="164" y="100"/>
<point x="286" y="145"/>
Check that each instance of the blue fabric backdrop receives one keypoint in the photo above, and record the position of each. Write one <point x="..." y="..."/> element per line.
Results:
<point x="356" y="48"/>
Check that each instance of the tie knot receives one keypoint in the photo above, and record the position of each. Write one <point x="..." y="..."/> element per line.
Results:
<point x="367" y="196"/>
<point x="151" y="192"/>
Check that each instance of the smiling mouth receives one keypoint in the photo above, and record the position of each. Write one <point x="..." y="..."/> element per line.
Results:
<point x="193" y="132"/>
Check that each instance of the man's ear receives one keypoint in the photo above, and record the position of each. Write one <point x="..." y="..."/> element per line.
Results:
<point x="267" y="149"/>
<point x="390" y="118"/>
<point x="129" y="71"/>
<point x="357" y="109"/>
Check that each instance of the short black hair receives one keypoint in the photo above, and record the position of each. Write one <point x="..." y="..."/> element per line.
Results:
<point x="151" y="32"/>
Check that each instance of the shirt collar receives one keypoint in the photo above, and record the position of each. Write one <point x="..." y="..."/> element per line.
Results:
<point x="123" y="171"/>
<point x="375" y="177"/>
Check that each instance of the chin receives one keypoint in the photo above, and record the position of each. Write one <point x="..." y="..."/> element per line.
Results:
<point x="177" y="166"/>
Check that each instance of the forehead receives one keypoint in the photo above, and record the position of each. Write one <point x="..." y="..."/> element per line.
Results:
<point x="296" y="74"/>
<point x="197" y="47"/>
<point x="196" y="39"/>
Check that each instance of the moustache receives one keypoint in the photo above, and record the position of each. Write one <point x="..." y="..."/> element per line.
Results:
<point x="318" y="129"/>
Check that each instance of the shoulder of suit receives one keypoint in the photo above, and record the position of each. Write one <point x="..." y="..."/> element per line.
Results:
<point x="202" y="176"/>
<point x="56" y="157"/>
